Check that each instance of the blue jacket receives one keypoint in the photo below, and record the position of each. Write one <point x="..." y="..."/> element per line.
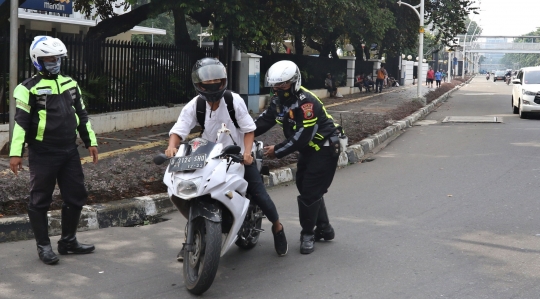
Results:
<point x="438" y="76"/>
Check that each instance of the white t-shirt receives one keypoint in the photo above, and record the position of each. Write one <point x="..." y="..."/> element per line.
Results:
<point x="213" y="120"/>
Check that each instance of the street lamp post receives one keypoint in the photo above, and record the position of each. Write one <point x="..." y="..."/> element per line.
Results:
<point x="470" y="43"/>
<point x="13" y="50"/>
<point x="419" y="10"/>
<point x="465" y="49"/>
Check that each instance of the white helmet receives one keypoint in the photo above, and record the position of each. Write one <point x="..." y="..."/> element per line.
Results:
<point x="43" y="46"/>
<point x="284" y="71"/>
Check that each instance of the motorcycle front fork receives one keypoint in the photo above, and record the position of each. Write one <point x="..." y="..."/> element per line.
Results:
<point x="188" y="246"/>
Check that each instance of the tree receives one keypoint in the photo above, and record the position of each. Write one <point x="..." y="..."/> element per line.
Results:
<point x="448" y="17"/>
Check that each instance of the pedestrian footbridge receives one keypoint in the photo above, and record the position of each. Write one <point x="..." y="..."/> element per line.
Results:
<point x="503" y="44"/>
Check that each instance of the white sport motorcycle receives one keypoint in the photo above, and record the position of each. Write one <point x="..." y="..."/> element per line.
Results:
<point x="206" y="183"/>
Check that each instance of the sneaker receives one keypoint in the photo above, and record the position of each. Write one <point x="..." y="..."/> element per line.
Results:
<point x="280" y="242"/>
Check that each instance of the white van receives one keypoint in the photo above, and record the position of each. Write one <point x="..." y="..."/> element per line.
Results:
<point x="526" y="91"/>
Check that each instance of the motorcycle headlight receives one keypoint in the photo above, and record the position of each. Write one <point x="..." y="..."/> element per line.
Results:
<point x="529" y="93"/>
<point x="188" y="188"/>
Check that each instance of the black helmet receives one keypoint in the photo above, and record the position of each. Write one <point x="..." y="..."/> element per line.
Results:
<point x="209" y="69"/>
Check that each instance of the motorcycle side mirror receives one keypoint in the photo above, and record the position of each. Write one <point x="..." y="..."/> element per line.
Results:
<point x="516" y="81"/>
<point x="231" y="150"/>
<point x="160" y="159"/>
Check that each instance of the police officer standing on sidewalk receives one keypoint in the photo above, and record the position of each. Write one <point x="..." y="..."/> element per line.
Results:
<point x="310" y="130"/>
<point x="50" y="112"/>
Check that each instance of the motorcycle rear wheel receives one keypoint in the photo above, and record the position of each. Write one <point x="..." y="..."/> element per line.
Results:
<point x="201" y="265"/>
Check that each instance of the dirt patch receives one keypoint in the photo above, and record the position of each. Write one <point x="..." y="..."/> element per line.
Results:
<point x="123" y="177"/>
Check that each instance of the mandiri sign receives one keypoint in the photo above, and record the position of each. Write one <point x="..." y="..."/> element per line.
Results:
<point x="58" y="6"/>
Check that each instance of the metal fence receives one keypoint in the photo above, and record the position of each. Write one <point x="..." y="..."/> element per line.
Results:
<point x="114" y="75"/>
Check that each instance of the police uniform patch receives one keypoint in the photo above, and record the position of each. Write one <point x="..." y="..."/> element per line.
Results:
<point x="308" y="110"/>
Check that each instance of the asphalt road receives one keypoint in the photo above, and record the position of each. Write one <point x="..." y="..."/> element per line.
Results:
<point x="447" y="210"/>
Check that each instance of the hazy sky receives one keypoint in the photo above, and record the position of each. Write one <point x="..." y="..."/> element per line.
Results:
<point x="508" y="17"/>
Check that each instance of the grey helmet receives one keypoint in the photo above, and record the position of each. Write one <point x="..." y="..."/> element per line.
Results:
<point x="209" y="69"/>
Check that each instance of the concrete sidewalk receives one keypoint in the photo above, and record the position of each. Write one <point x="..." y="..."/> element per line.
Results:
<point x="137" y="210"/>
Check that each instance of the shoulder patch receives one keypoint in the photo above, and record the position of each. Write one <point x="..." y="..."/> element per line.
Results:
<point x="308" y="110"/>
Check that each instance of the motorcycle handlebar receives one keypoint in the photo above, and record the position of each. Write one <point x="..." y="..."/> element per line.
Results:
<point x="236" y="158"/>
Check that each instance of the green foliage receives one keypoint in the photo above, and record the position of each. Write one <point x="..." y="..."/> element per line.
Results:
<point x="259" y="26"/>
<point x="95" y="90"/>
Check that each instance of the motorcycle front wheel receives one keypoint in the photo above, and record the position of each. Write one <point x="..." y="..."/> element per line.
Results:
<point x="248" y="236"/>
<point x="200" y="265"/>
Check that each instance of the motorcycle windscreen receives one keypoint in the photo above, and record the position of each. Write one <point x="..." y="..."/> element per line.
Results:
<point x="200" y="149"/>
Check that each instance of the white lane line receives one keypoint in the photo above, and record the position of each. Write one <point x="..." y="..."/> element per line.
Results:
<point x="119" y="139"/>
<point x="479" y="94"/>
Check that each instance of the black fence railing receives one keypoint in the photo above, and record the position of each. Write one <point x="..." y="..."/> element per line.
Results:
<point x="4" y="80"/>
<point x="114" y="75"/>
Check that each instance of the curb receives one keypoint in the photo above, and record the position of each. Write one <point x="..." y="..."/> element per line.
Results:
<point x="138" y="210"/>
<point x="125" y="212"/>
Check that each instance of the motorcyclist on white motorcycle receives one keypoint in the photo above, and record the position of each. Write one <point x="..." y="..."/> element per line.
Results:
<point x="210" y="80"/>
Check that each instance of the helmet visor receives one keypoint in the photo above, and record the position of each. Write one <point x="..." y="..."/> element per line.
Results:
<point x="209" y="72"/>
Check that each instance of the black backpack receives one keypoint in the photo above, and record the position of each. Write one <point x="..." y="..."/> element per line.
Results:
<point x="201" y="110"/>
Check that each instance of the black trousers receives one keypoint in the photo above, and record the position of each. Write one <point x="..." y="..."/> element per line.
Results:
<point x="258" y="193"/>
<point x="51" y="165"/>
<point x="315" y="172"/>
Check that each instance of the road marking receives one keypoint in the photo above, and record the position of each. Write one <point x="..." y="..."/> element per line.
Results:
<point x="361" y="99"/>
<point x="472" y="119"/>
<point x="479" y="94"/>
<point x="132" y="149"/>
<point x="164" y="142"/>
<point x="119" y="139"/>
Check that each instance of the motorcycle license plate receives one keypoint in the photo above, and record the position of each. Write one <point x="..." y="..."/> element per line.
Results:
<point x="187" y="163"/>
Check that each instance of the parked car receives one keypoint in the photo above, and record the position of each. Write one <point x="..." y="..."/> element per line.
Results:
<point x="499" y="75"/>
<point x="526" y="91"/>
<point x="151" y="66"/>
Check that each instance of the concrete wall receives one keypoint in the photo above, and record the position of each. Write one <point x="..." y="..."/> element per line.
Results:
<point x="118" y="121"/>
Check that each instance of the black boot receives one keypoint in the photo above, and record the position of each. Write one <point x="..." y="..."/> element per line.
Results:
<point x="308" y="219"/>
<point x="40" y="226"/>
<point x="68" y="242"/>
<point x="324" y="230"/>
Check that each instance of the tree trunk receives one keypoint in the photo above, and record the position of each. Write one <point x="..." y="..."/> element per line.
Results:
<point x="181" y="35"/>
<point x="122" y="23"/>
<point x="298" y="43"/>
<point x="334" y="52"/>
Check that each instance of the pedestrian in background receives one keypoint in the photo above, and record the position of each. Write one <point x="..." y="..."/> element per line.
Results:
<point x="330" y="86"/>
<point x="381" y="75"/>
<point x="311" y="131"/>
<point x="430" y="76"/>
<point x="438" y="77"/>
<point x="50" y="112"/>
<point x="368" y="82"/>
<point x="359" y="81"/>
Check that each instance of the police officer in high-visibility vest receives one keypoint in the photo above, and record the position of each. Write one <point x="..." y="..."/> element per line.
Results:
<point x="311" y="131"/>
<point x="50" y="112"/>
